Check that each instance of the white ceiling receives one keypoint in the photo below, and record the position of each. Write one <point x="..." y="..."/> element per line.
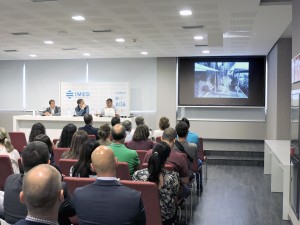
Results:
<point x="154" y="26"/>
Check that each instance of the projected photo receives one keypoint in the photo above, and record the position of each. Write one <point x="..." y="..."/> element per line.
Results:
<point x="221" y="80"/>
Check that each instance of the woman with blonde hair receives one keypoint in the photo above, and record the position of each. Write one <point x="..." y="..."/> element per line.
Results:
<point x="6" y="148"/>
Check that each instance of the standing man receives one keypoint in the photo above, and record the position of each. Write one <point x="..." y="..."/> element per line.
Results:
<point x="42" y="194"/>
<point x="107" y="201"/>
<point x="88" y="119"/>
<point x="109" y="105"/>
<point x="52" y="110"/>
<point x="81" y="108"/>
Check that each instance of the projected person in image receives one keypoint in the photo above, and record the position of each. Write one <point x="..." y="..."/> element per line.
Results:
<point x="81" y="108"/>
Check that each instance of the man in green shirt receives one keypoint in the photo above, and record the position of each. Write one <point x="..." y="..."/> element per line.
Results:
<point x="122" y="153"/>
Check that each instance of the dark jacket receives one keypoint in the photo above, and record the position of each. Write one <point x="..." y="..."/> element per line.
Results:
<point x="90" y="130"/>
<point x="109" y="202"/>
<point x="14" y="210"/>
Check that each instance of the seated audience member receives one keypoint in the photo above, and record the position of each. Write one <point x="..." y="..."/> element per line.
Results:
<point x="42" y="195"/>
<point x="77" y="140"/>
<point x="163" y="124"/>
<point x="190" y="149"/>
<point x="44" y="138"/>
<point x="52" y="110"/>
<point x="115" y="120"/>
<point x="66" y="136"/>
<point x="81" y="108"/>
<point x="192" y="137"/>
<point x="109" y="105"/>
<point x="83" y="167"/>
<point x="128" y="126"/>
<point x="35" y="153"/>
<point x="118" y="204"/>
<point x="167" y="181"/>
<point x="88" y="119"/>
<point x="139" y="120"/>
<point x="122" y="153"/>
<point x="104" y="135"/>
<point x="37" y="128"/>
<point x="140" y="139"/>
<point x="6" y="148"/>
<point x="177" y="160"/>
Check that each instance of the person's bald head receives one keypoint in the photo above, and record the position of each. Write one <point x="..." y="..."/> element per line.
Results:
<point x="103" y="161"/>
<point x="41" y="191"/>
<point x="118" y="133"/>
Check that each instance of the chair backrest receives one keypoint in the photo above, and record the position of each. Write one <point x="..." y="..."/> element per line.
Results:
<point x="21" y="168"/>
<point x="55" y="140"/>
<point x="5" y="170"/>
<point x="200" y="149"/>
<point x="123" y="171"/>
<point x="158" y="139"/>
<point x="18" y="140"/>
<point x="65" y="165"/>
<point x="58" y="152"/>
<point x="141" y="154"/>
<point x="167" y="166"/>
<point x="75" y="182"/>
<point x="150" y="198"/>
<point x="92" y="136"/>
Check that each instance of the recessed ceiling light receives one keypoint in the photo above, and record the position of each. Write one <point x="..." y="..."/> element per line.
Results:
<point x="198" y="37"/>
<point x="185" y="12"/>
<point x="78" y="18"/>
<point x="144" y="53"/>
<point x="120" y="40"/>
<point x="33" y="55"/>
<point x="86" y="54"/>
<point x="205" y="51"/>
<point x="48" y="42"/>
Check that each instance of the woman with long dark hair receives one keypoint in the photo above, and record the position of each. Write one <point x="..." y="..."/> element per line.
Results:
<point x="140" y="139"/>
<point x="167" y="181"/>
<point x="83" y="167"/>
<point x="77" y="140"/>
<point x="37" y="128"/>
<point x="66" y="136"/>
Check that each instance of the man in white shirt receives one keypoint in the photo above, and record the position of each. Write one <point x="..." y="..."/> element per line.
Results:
<point x="109" y="105"/>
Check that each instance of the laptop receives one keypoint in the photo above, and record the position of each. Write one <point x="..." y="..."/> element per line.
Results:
<point x="109" y="112"/>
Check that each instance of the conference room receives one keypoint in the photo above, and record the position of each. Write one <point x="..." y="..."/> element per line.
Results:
<point x="193" y="59"/>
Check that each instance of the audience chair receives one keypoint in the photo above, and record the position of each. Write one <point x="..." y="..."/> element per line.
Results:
<point x="18" y="140"/>
<point x="5" y="170"/>
<point x="72" y="184"/>
<point x="65" y="165"/>
<point x="201" y="155"/>
<point x="20" y="165"/>
<point x="158" y="139"/>
<point x="123" y="171"/>
<point x="55" y="140"/>
<point x="141" y="154"/>
<point x="75" y="182"/>
<point x="58" y="152"/>
<point x="167" y="166"/>
<point x="92" y="136"/>
<point x="126" y="144"/>
<point x="150" y="198"/>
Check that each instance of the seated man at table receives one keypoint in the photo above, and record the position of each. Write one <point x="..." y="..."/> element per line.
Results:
<point x="88" y="119"/>
<point x="53" y="110"/>
<point x="109" y="110"/>
<point x="81" y="108"/>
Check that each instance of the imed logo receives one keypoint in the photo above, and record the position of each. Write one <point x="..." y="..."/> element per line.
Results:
<point x="69" y="94"/>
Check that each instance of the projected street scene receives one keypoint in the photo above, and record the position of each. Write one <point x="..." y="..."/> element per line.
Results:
<point x="221" y="80"/>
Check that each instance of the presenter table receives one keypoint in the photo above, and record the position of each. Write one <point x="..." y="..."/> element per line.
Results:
<point x="277" y="163"/>
<point x="55" y="124"/>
